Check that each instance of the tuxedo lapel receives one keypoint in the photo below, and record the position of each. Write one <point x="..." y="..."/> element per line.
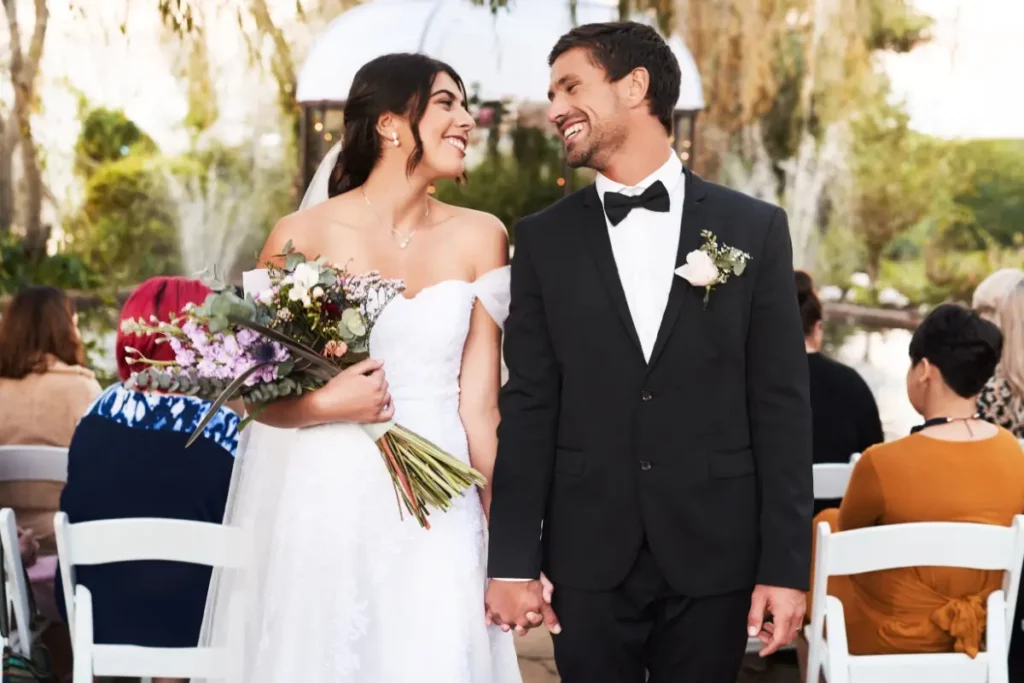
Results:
<point x="690" y="239"/>
<point x="595" y="234"/>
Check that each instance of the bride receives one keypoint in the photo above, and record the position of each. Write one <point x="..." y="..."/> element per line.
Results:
<point x="344" y="591"/>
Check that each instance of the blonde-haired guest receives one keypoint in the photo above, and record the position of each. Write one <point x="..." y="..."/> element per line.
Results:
<point x="1002" y="399"/>
<point x="990" y="292"/>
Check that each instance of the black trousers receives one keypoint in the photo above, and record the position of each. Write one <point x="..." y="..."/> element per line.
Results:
<point x="644" y="626"/>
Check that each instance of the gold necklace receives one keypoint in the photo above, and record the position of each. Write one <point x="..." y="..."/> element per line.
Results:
<point x="403" y="239"/>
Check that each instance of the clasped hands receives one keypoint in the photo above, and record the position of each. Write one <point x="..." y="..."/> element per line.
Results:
<point x="521" y="605"/>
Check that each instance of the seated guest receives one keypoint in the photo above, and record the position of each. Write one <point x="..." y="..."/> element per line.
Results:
<point x="953" y="468"/>
<point x="45" y="389"/>
<point x="844" y="412"/>
<point x="1002" y="399"/>
<point x="128" y="459"/>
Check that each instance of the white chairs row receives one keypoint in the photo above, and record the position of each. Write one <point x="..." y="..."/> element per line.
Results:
<point x="24" y="463"/>
<point x="932" y="544"/>
<point x="123" y="540"/>
<point x="829" y="482"/>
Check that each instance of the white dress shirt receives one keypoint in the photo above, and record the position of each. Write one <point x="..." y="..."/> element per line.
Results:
<point x="644" y="244"/>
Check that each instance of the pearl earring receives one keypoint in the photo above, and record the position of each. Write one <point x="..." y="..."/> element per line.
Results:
<point x="394" y="138"/>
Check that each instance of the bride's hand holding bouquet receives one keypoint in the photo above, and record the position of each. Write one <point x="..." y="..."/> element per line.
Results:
<point x="302" y="332"/>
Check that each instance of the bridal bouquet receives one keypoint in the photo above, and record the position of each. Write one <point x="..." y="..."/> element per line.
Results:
<point x="292" y="331"/>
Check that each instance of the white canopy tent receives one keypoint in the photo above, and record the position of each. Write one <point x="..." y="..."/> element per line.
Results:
<point x="500" y="56"/>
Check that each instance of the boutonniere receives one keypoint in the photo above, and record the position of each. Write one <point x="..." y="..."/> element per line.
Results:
<point x="712" y="264"/>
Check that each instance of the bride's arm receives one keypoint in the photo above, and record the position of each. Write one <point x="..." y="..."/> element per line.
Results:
<point x="359" y="394"/>
<point x="480" y="378"/>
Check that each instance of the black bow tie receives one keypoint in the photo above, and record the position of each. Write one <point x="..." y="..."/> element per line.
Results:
<point x="617" y="205"/>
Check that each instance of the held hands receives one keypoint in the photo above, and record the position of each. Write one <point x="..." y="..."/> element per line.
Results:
<point x="357" y="394"/>
<point x="786" y="606"/>
<point x="521" y="605"/>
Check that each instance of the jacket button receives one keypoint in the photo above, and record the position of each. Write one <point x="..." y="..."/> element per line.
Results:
<point x="645" y="465"/>
<point x="646" y="395"/>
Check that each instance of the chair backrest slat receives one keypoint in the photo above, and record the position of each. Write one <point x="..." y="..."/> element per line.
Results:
<point x="927" y="544"/>
<point x="17" y="587"/>
<point x="33" y="463"/>
<point x="126" y="661"/>
<point x="831" y="479"/>
<point x="121" y="540"/>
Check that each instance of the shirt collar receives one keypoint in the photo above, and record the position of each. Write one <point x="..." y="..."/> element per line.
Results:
<point x="668" y="173"/>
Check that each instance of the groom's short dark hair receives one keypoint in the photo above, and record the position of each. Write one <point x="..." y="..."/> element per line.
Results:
<point x="618" y="47"/>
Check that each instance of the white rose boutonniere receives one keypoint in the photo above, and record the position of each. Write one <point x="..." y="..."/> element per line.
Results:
<point x="712" y="265"/>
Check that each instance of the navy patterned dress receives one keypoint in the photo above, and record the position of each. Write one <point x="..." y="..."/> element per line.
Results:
<point x="128" y="459"/>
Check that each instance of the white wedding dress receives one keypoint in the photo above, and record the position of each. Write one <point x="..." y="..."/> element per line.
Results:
<point x="344" y="591"/>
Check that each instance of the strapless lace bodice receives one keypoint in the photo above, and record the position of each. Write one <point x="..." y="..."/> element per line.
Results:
<point x="421" y="339"/>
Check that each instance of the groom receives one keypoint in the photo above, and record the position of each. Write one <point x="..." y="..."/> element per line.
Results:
<point x="654" y="454"/>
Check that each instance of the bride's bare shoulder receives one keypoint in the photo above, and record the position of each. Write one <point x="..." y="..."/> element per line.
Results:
<point x="484" y="235"/>
<point x="306" y="229"/>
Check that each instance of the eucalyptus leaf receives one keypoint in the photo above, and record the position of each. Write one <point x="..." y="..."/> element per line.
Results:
<point x="223" y="398"/>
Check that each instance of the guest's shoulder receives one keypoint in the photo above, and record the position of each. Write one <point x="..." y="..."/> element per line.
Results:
<point x="166" y="413"/>
<point x="78" y="380"/>
<point x="841" y="373"/>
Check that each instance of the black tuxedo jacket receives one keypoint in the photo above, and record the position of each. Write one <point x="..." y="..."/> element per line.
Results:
<point x="705" y="451"/>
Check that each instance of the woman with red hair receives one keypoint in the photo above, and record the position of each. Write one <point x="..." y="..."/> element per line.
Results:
<point x="128" y="459"/>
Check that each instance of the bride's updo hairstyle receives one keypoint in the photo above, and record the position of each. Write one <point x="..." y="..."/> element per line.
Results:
<point x="398" y="83"/>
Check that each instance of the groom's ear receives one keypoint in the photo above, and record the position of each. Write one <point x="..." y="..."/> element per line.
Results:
<point x="638" y="82"/>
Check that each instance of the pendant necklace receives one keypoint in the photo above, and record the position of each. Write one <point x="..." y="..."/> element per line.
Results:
<point x="403" y="240"/>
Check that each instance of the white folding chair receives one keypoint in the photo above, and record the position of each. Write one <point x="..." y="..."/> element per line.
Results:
<point x="33" y="463"/>
<point x="123" y="540"/>
<point x="16" y="586"/>
<point x="830" y="481"/>
<point x="931" y="544"/>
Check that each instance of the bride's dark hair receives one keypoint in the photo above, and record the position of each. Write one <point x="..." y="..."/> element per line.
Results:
<point x="398" y="83"/>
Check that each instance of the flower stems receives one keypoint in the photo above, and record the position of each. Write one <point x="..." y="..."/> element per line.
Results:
<point x="424" y="476"/>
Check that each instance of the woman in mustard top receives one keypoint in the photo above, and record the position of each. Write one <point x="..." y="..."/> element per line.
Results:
<point x="953" y="468"/>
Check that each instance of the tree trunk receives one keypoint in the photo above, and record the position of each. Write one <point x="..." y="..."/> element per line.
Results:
<point x="6" y="176"/>
<point x="24" y="72"/>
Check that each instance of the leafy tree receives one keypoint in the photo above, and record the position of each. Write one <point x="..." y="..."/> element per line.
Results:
<point x="994" y="197"/>
<point x="126" y="226"/>
<point x="108" y="135"/>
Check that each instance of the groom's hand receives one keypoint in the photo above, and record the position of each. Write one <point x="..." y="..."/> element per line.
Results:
<point x="520" y="605"/>
<point x="786" y="606"/>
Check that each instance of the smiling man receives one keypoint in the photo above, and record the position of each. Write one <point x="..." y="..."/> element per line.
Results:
<point x="654" y="454"/>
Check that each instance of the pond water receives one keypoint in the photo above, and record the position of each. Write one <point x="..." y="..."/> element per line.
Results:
<point x="879" y="355"/>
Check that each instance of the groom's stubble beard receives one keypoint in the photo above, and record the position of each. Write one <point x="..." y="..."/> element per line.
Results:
<point x="605" y="139"/>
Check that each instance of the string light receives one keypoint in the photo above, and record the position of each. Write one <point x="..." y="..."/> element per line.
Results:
<point x="318" y="126"/>
<point x="431" y="189"/>
<point x="686" y="144"/>
<point x="328" y="137"/>
<point x="560" y="182"/>
<point x="685" y="156"/>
